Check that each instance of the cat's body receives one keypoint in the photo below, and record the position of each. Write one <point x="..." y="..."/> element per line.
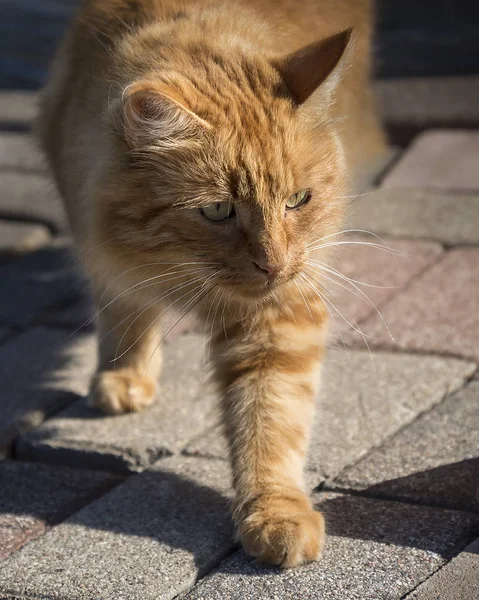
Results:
<point x="177" y="131"/>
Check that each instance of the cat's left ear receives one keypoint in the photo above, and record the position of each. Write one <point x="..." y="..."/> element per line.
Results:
<point x="317" y="65"/>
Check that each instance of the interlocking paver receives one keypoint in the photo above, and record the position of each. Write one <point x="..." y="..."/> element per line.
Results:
<point x="36" y="282"/>
<point x="149" y="538"/>
<point x="439" y="159"/>
<point x="450" y="218"/>
<point x="433" y="460"/>
<point x="17" y="107"/>
<point x="184" y="408"/>
<point x="375" y="550"/>
<point x="436" y="313"/>
<point x="34" y="497"/>
<point x="383" y="273"/>
<point x="41" y="372"/>
<point x="17" y="237"/>
<point x="458" y="580"/>
<point x="429" y="101"/>
<point x="19" y="152"/>
<point x="363" y="402"/>
<point x="31" y="197"/>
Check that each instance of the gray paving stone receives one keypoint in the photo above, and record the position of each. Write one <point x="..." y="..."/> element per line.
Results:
<point x="35" y="283"/>
<point x="41" y="372"/>
<point x="429" y="101"/>
<point x="19" y="152"/>
<point x="436" y="313"/>
<point x="458" y="580"/>
<point x="382" y="275"/>
<point x="444" y="159"/>
<point x="34" y="497"/>
<point x="17" y="107"/>
<point x="362" y="403"/>
<point x="432" y="461"/>
<point x="450" y="218"/>
<point x="149" y="538"/>
<point x="185" y="407"/>
<point x="31" y="197"/>
<point x="375" y="550"/>
<point x="17" y="237"/>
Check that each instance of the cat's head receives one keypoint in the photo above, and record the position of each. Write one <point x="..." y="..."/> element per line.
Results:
<point x="231" y="160"/>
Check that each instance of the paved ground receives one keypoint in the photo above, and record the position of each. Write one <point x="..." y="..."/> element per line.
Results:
<point x="136" y="507"/>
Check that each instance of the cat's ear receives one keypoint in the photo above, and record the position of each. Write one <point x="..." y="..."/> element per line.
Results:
<point x="317" y="65"/>
<point x="156" y="113"/>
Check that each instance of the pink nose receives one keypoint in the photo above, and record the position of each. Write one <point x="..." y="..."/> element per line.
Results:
<point x="270" y="270"/>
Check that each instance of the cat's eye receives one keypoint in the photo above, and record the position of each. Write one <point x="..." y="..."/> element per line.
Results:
<point x="218" y="211"/>
<point x="298" y="199"/>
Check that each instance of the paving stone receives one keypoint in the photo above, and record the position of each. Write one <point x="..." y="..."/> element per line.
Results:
<point x="439" y="159"/>
<point x="375" y="550"/>
<point x="458" y="580"/>
<point x="4" y="333"/>
<point x="149" y="538"/>
<point x="19" y="152"/>
<point x="31" y="197"/>
<point x="362" y="403"/>
<point x="419" y="464"/>
<point x="429" y="101"/>
<point x="382" y="275"/>
<point x="185" y="407"/>
<point x="34" y="497"/>
<point x="35" y="283"/>
<point x="41" y="372"/>
<point x="437" y="313"/>
<point x="17" y="237"/>
<point x="449" y="218"/>
<point x="17" y="108"/>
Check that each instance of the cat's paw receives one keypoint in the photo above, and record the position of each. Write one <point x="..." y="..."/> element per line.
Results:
<point x="116" y="392"/>
<point x="283" y="530"/>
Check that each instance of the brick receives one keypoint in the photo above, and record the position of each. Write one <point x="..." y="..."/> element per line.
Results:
<point x="149" y="538"/>
<point x="439" y="159"/>
<point x="184" y="409"/>
<point x="35" y="283"/>
<point x="458" y="580"/>
<point x="437" y="313"/>
<point x="375" y="549"/>
<point x="429" y="101"/>
<point x="362" y="403"/>
<point x="31" y="197"/>
<point x="41" y="372"/>
<point x="19" y="151"/>
<point x="432" y="461"/>
<point x="383" y="274"/>
<point x="35" y="497"/>
<point x="17" y="238"/>
<point x="450" y="218"/>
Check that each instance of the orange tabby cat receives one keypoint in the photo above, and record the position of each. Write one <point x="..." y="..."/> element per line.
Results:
<point x="202" y="149"/>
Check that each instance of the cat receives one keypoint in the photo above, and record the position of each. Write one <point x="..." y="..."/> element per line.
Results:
<point x="203" y="151"/>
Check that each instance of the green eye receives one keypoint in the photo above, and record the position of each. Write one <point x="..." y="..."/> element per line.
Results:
<point x="218" y="211"/>
<point x="298" y="199"/>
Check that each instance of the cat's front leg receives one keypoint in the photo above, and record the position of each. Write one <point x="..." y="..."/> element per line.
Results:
<point x="129" y="356"/>
<point x="269" y="374"/>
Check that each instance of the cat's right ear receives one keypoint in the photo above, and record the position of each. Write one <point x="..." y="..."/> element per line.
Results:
<point x="156" y="114"/>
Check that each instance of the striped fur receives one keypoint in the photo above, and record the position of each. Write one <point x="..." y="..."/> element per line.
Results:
<point x="157" y="108"/>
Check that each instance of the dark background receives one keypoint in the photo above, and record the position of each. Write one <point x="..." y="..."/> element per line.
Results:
<point x="414" y="38"/>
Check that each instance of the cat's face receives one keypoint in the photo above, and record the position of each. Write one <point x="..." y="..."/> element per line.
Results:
<point x="243" y="183"/>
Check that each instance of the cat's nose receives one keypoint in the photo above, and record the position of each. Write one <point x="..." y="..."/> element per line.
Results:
<point x="270" y="269"/>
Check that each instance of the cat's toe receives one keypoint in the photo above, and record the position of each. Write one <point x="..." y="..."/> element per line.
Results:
<point x="283" y="530"/>
<point x="116" y="392"/>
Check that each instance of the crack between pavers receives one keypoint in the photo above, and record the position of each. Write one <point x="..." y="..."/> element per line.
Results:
<point x="447" y="393"/>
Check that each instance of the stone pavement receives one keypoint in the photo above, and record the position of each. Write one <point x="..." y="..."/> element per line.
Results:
<point x="137" y="506"/>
